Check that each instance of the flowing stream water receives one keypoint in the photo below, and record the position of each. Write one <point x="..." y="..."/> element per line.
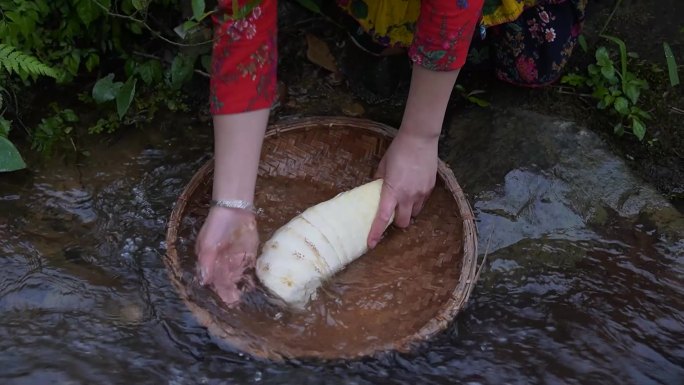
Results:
<point x="584" y="280"/>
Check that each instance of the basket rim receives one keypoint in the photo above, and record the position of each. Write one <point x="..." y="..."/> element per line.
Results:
<point x="447" y="312"/>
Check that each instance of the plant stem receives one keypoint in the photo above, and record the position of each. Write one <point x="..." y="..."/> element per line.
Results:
<point x="610" y="17"/>
<point x="144" y="24"/>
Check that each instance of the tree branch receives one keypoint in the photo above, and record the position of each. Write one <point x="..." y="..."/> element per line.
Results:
<point x="152" y="31"/>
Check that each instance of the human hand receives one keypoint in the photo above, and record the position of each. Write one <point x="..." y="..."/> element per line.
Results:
<point x="226" y="248"/>
<point x="409" y="170"/>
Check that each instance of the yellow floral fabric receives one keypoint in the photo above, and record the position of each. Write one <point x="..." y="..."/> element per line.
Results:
<point x="503" y="11"/>
<point x="392" y="21"/>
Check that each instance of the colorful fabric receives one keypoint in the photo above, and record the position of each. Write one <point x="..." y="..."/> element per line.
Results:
<point x="244" y="60"/>
<point x="244" y="57"/>
<point x="496" y="12"/>
<point x="530" y="40"/>
<point x="533" y="50"/>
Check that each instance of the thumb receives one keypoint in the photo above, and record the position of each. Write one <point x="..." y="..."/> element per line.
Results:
<point x="383" y="217"/>
<point x="380" y="171"/>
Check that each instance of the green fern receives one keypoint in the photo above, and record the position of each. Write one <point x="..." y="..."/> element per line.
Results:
<point x="22" y="64"/>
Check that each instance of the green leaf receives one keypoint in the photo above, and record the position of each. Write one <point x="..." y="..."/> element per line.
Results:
<point x="198" y="9"/>
<point x="621" y="105"/>
<point x="602" y="57"/>
<point x="138" y="4"/>
<point x="640" y="113"/>
<point x="359" y="9"/>
<point x="574" y="80"/>
<point x="618" y="129"/>
<point x="632" y="92"/>
<point x="593" y="69"/>
<point x="608" y="100"/>
<point x="608" y="72"/>
<point x="150" y="71"/>
<point x="4" y="127"/>
<point x="125" y="97"/>
<point x="671" y="65"/>
<point x="181" y="70"/>
<point x="638" y="128"/>
<point x="105" y="89"/>
<point x="10" y="159"/>
<point x="206" y="62"/>
<point x="310" y="5"/>
<point x="583" y="43"/>
<point x="72" y="62"/>
<point x="22" y="64"/>
<point x="478" y="101"/>
<point x="92" y="61"/>
<point x="87" y="11"/>
<point x="623" y="54"/>
<point x="135" y="28"/>
<point x="69" y="115"/>
<point x="600" y="92"/>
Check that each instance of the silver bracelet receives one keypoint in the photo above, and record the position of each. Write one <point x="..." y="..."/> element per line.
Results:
<point x="236" y="204"/>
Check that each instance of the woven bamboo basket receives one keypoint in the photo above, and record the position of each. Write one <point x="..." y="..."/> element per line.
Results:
<point x="397" y="296"/>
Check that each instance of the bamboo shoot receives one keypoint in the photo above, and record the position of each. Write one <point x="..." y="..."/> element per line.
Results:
<point x="318" y="243"/>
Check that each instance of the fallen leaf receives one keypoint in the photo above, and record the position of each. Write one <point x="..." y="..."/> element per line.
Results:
<point x="353" y="109"/>
<point x="319" y="53"/>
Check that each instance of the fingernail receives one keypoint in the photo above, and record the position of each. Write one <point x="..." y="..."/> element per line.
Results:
<point x="373" y="243"/>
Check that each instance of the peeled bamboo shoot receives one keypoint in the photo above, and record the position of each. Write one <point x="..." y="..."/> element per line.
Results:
<point x="318" y="243"/>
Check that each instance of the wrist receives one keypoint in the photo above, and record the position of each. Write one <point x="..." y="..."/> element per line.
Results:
<point x="219" y="212"/>
<point x="235" y="204"/>
<point x="427" y="102"/>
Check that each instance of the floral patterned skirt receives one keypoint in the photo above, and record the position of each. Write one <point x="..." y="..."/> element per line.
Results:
<point x="528" y="42"/>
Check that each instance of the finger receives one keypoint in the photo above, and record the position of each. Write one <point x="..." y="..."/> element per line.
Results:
<point x="380" y="171"/>
<point x="229" y="270"/>
<point x="383" y="217"/>
<point x="403" y="218"/>
<point x="418" y="206"/>
<point x="206" y="261"/>
<point x="228" y="292"/>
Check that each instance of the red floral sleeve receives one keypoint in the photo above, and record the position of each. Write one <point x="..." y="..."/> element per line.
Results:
<point x="244" y="57"/>
<point x="443" y="33"/>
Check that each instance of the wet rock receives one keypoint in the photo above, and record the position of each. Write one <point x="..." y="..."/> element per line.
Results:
<point x="533" y="175"/>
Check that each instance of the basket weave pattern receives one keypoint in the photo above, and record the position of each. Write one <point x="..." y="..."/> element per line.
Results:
<point x="401" y="293"/>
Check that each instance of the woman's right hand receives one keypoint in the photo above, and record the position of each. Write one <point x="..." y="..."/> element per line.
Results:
<point x="226" y="248"/>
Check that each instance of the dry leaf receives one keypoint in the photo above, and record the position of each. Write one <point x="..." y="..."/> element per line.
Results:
<point x="319" y="53"/>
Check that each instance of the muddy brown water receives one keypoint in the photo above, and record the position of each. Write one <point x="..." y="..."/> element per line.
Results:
<point x="408" y="281"/>
<point x="85" y="297"/>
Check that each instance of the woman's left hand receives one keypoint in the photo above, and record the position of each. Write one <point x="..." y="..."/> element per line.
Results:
<point x="409" y="167"/>
<point x="409" y="170"/>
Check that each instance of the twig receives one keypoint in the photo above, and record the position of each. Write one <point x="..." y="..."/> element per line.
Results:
<point x="610" y="17"/>
<point x="484" y="258"/>
<point x="677" y="110"/>
<point x="155" y="33"/>
<point x="16" y="111"/>
<point x="562" y="90"/>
